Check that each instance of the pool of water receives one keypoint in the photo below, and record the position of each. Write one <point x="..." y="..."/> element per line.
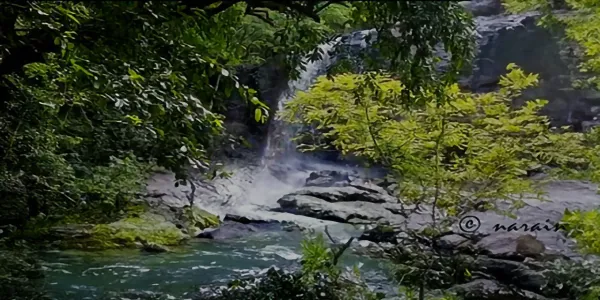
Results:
<point x="178" y="274"/>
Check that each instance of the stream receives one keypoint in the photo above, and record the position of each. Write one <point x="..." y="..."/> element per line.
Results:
<point x="176" y="275"/>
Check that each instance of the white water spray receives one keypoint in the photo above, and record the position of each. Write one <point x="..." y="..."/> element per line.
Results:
<point x="280" y="135"/>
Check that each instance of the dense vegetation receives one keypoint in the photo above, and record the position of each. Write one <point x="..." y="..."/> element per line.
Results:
<point x="97" y="95"/>
<point x="581" y="26"/>
<point x="453" y="156"/>
<point x="457" y="151"/>
<point x="96" y="91"/>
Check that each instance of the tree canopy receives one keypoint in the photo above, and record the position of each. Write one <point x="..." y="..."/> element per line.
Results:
<point x="90" y="88"/>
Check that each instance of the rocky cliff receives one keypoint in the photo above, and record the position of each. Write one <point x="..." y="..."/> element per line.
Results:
<point x="501" y="39"/>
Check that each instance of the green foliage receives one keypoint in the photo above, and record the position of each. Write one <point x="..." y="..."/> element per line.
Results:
<point x="112" y="186"/>
<point x="87" y="85"/>
<point x="278" y="285"/>
<point x="317" y="257"/>
<point x="319" y="260"/>
<point x="284" y="34"/>
<point x="583" y="226"/>
<point x="454" y="155"/>
<point x="20" y="276"/>
<point x="409" y="34"/>
<point x="573" y="279"/>
<point x="474" y="147"/>
<point x="319" y="279"/>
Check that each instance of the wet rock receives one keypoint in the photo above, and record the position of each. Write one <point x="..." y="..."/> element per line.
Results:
<point x="372" y="249"/>
<point x="245" y="219"/>
<point x="483" y="7"/>
<point x="233" y="230"/>
<point x="328" y="179"/>
<point x="206" y="233"/>
<point x="349" y="194"/>
<point x="560" y="195"/>
<point x="586" y="126"/>
<point x="511" y="272"/>
<point x="154" y="247"/>
<point x="70" y="232"/>
<point x="380" y="234"/>
<point x="529" y="246"/>
<point x="354" y="212"/>
<point x="483" y="289"/>
<point x="458" y="243"/>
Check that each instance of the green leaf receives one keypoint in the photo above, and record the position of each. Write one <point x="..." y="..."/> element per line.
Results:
<point x="80" y="68"/>
<point x="257" y="114"/>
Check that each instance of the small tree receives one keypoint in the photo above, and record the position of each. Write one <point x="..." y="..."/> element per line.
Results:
<point x="454" y="154"/>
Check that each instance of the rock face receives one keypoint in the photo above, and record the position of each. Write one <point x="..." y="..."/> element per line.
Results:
<point x="507" y="260"/>
<point x="483" y="7"/>
<point x="517" y="39"/>
<point x="270" y="80"/>
<point x="328" y="178"/>
<point x="235" y="230"/>
<point x="354" y="204"/>
<point x="491" y="290"/>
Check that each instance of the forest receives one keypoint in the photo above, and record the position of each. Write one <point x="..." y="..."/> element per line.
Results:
<point x="101" y="99"/>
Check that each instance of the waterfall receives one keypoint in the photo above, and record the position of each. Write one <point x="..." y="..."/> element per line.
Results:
<point x="253" y="191"/>
<point x="279" y="144"/>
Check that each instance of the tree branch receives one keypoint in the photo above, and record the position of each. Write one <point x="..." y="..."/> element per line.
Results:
<point x="265" y="18"/>
<point x="318" y="10"/>
<point x="337" y="254"/>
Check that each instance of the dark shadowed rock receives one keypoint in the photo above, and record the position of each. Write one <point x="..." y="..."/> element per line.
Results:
<point x="354" y="212"/>
<point x="328" y="179"/>
<point x="233" y="230"/>
<point x="511" y="272"/>
<point x="483" y="289"/>
<point x="153" y="247"/>
<point x="70" y="232"/>
<point x="348" y="194"/>
<point x="380" y="234"/>
<point x="483" y="7"/>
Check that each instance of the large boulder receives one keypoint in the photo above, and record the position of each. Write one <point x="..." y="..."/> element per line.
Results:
<point x="328" y="178"/>
<point x="484" y="289"/>
<point x="518" y="39"/>
<point x="560" y="195"/>
<point x="234" y="230"/>
<point x="354" y="204"/>
<point x="370" y="194"/>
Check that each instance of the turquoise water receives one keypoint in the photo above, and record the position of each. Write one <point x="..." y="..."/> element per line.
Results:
<point x="176" y="275"/>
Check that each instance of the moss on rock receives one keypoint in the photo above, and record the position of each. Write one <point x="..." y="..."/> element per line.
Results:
<point x="124" y="233"/>
<point x="196" y="218"/>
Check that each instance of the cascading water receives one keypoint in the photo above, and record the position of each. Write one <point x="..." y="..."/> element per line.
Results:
<point x="251" y="192"/>
<point x="279" y="140"/>
<point x="283" y="168"/>
<point x="281" y="172"/>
